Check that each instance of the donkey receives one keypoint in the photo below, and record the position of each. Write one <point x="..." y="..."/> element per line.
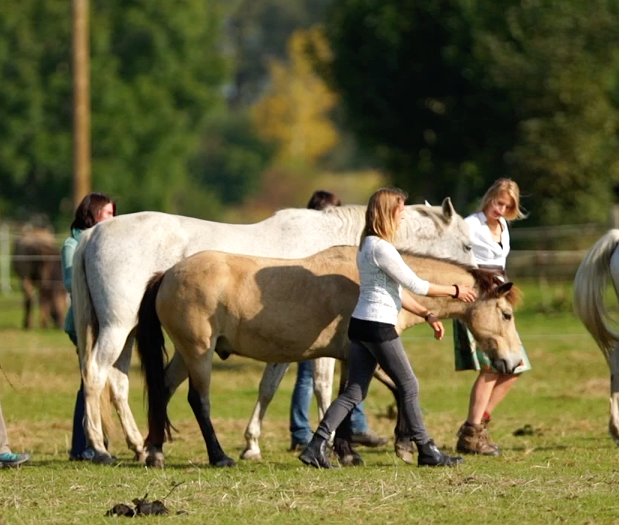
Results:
<point x="116" y="258"/>
<point x="281" y="311"/>
<point x="36" y="260"/>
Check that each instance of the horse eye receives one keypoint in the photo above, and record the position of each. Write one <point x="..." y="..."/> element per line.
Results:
<point x="507" y="316"/>
<point x="468" y="247"/>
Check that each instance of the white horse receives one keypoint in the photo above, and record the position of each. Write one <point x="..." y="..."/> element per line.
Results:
<point x="600" y="264"/>
<point x="116" y="258"/>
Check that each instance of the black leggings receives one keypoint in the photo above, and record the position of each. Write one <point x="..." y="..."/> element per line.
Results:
<point x="391" y="356"/>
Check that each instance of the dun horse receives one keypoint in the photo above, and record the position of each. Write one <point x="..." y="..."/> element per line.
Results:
<point x="592" y="278"/>
<point x="116" y="258"/>
<point x="37" y="263"/>
<point x="276" y="310"/>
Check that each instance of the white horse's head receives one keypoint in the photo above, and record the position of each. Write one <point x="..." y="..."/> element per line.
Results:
<point x="437" y="231"/>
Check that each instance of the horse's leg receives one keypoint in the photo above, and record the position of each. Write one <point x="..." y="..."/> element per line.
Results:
<point x="403" y="445"/>
<point x="271" y="378"/>
<point x="28" y="289"/>
<point x="324" y="371"/>
<point x="95" y="373"/>
<point x="44" y="305"/>
<point x="58" y="301"/>
<point x="342" y="445"/>
<point x="199" y="386"/>
<point x="175" y="374"/>
<point x="613" y="357"/>
<point x="119" y="383"/>
<point x="613" y="423"/>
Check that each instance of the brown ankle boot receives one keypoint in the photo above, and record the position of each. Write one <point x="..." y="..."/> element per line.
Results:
<point x="472" y="441"/>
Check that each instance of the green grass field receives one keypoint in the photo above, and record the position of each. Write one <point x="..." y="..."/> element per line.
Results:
<point x="568" y="472"/>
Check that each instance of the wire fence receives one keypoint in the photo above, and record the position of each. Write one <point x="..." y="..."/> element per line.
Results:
<point x="536" y="252"/>
<point x="10" y="232"/>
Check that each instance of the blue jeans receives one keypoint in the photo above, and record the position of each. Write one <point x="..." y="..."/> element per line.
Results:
<point x="300" y="429"/>
<point x="79" y="441"/>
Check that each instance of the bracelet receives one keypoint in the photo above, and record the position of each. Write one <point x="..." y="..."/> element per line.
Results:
<point x="427" y="316"/>
<point x="457" y="291"/>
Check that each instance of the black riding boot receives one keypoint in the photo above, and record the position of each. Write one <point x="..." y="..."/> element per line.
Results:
<point x="314" y="453"/>
<point x="431" y="456"/>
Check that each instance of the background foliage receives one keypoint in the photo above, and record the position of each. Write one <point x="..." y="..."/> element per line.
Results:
<point x="197" y="104"/>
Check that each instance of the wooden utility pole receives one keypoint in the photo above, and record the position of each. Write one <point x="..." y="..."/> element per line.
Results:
<point x="81" y="101"/>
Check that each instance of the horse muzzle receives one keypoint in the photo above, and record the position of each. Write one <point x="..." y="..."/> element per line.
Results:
<point x="506" y="365"/>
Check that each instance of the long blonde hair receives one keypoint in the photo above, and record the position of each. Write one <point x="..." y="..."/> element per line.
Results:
<point x="513" y="212"/>
<point x="379" y="216"/>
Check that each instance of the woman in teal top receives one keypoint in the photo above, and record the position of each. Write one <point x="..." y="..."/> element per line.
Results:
<point x="94" y="208"/>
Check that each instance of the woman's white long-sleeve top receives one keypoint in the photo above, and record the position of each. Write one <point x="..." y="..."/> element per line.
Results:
<point x="485" y="249"/>
<point x="383" y="273"/>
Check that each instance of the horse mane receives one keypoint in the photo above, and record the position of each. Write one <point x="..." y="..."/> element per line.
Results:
<point x="489" y="281"/>
<point x="486" y="280"/>
<point x="358" y="210"/>
<point x="354" y="212"/>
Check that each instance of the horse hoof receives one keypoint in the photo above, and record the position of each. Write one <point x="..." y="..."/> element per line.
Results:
<point x="140" y="456"/>
<point x="224" y="462"/>
<point x="404" y="450"/>
<point x="103" y="459"/>
<point x="250" y="454"/>
<point x="351" y="460"/>
<point x="155" y="460"/>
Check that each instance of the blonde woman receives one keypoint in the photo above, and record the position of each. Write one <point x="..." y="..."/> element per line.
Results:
<point x="383" y="273"/>
<point x="490" y="239"/>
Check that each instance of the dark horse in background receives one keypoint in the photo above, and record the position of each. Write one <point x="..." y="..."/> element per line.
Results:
<point x="36" y="260"/>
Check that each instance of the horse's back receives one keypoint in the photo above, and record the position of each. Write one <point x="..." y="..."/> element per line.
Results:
<point x="337" y="259"/>
<point x="37" y="256"/>
<point x="268" y="309"/>
<point x="122" y="253"/>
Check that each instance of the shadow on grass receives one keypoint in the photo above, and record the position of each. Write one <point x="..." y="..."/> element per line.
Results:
<point x="535" y="448"/>
<point x="188" y="466"/>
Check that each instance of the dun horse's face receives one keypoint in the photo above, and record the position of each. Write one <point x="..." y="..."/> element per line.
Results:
<point x="491" y="321"/>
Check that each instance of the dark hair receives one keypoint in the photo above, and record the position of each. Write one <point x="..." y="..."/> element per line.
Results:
<point x="322" y="199"/>
<point x="87" y="211"/>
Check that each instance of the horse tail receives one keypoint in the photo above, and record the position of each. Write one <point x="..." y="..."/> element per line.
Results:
<point x="153" y="354"/>
<point x="87" y="324"/>
<point x="589" y="285"/>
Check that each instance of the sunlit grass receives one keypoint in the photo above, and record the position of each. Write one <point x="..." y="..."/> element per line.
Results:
<point x="567" y="472"/>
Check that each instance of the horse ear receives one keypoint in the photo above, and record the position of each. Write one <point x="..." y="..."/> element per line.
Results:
<point x="503" y="289"/>
<point x="448" y="209"/>
<point x="428" y="204"/>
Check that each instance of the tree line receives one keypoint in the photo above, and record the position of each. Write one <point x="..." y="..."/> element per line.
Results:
<point x="202" y="106"/>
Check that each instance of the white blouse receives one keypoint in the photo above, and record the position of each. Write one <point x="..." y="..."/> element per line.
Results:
<point x="485" y="249"/>
<point x="382" y="273"/>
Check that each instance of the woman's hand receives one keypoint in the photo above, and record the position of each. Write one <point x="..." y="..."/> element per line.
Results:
<point x="437" y="326"/>
<point x="466" y="294"/>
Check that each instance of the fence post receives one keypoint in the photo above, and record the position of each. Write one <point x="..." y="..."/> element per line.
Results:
<point x="5" y="259"/>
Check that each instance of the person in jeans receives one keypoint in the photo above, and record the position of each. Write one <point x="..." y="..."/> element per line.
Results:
<point x="383" y="273"/>
<point x="94" y="208"/>
<point x="300" y="429"/>
<point x="490" y="240"/>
